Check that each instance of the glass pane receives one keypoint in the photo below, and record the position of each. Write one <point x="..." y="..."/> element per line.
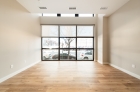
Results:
<point x="49" y="53"/>
<point x="67" y="43"/>
<point x="85" y="15"/>
<point x="67" y="54"/>
<point x="84" y="42"/>
<point x="49" y="15"/>
<point x="50" y="42"/>
<point x="49" y="30"/>
<point x="84" y="54"/>
<point x="67" y="31"/>
<point x="84" y="30"/>
<point x="67" y="15"/>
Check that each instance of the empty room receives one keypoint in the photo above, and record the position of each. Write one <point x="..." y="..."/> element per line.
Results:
<point x="69" y="46"/>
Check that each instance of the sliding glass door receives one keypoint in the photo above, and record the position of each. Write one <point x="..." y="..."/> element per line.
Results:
<point x="67" y="42"/>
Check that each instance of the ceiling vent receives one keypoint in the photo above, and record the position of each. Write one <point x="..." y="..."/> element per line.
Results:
<point x="43" y="7"/>
<point x="72" y="8"/>
<point x="103" y="8"/>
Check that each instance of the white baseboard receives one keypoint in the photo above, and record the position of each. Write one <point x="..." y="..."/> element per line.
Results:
<point x="105" y="62"/>
<point x="126" y="71"/>
<point x="99" y="62"/>
<point x="12" y="74"/>
<point x="95" y="60"/>
<point x="102" y="62"/>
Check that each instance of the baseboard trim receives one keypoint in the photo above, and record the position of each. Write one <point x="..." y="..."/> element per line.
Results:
<point x="96" y="60"/>
<point x="15" y="73"/>
<point x="105" y="62"/>
<point x="102" y="62"/>
<point x="99" y="62"/>
<point x="126" y="71"/>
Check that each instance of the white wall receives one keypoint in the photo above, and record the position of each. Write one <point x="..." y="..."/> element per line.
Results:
<point x="102" y="39"/>
<point x="124" y="31"/>
<point x="105" y="41"/>
<point x="19" y="37"/>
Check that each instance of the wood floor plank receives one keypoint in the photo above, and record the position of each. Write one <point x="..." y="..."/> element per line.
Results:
<point x="71" y="76"/>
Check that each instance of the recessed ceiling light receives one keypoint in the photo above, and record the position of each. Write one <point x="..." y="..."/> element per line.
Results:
<point x="103" y="8"/>
<point x="43" y="7"/>
<point x="72" y="8"/>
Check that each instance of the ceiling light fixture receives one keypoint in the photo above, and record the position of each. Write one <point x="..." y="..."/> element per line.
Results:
<point x="43" y="7"/>
<point x="40" y="6"/>
<point x="103" y="8"/>
<point x="72" y="8"/>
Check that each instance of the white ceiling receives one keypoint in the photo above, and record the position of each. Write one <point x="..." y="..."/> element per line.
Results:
<point x="82" y="6"/>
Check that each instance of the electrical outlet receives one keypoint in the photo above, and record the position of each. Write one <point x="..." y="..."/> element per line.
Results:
<point x="133" y="66"/>
<point x="25" y="61"/>
<point x="11" y="66"/>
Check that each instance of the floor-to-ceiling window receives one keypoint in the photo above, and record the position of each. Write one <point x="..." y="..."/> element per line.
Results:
<point x="67" y="42"/>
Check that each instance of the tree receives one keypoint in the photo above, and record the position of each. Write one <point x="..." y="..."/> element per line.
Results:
<point x="65" y="32"/>
<point x="68" y="42"/>
<point x="68" y="32"/>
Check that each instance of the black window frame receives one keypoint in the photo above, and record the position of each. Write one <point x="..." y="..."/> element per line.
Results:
<point x="68" y="37"/>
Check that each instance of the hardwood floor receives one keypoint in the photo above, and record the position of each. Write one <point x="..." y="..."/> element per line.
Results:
<point x="71" y="76"/>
